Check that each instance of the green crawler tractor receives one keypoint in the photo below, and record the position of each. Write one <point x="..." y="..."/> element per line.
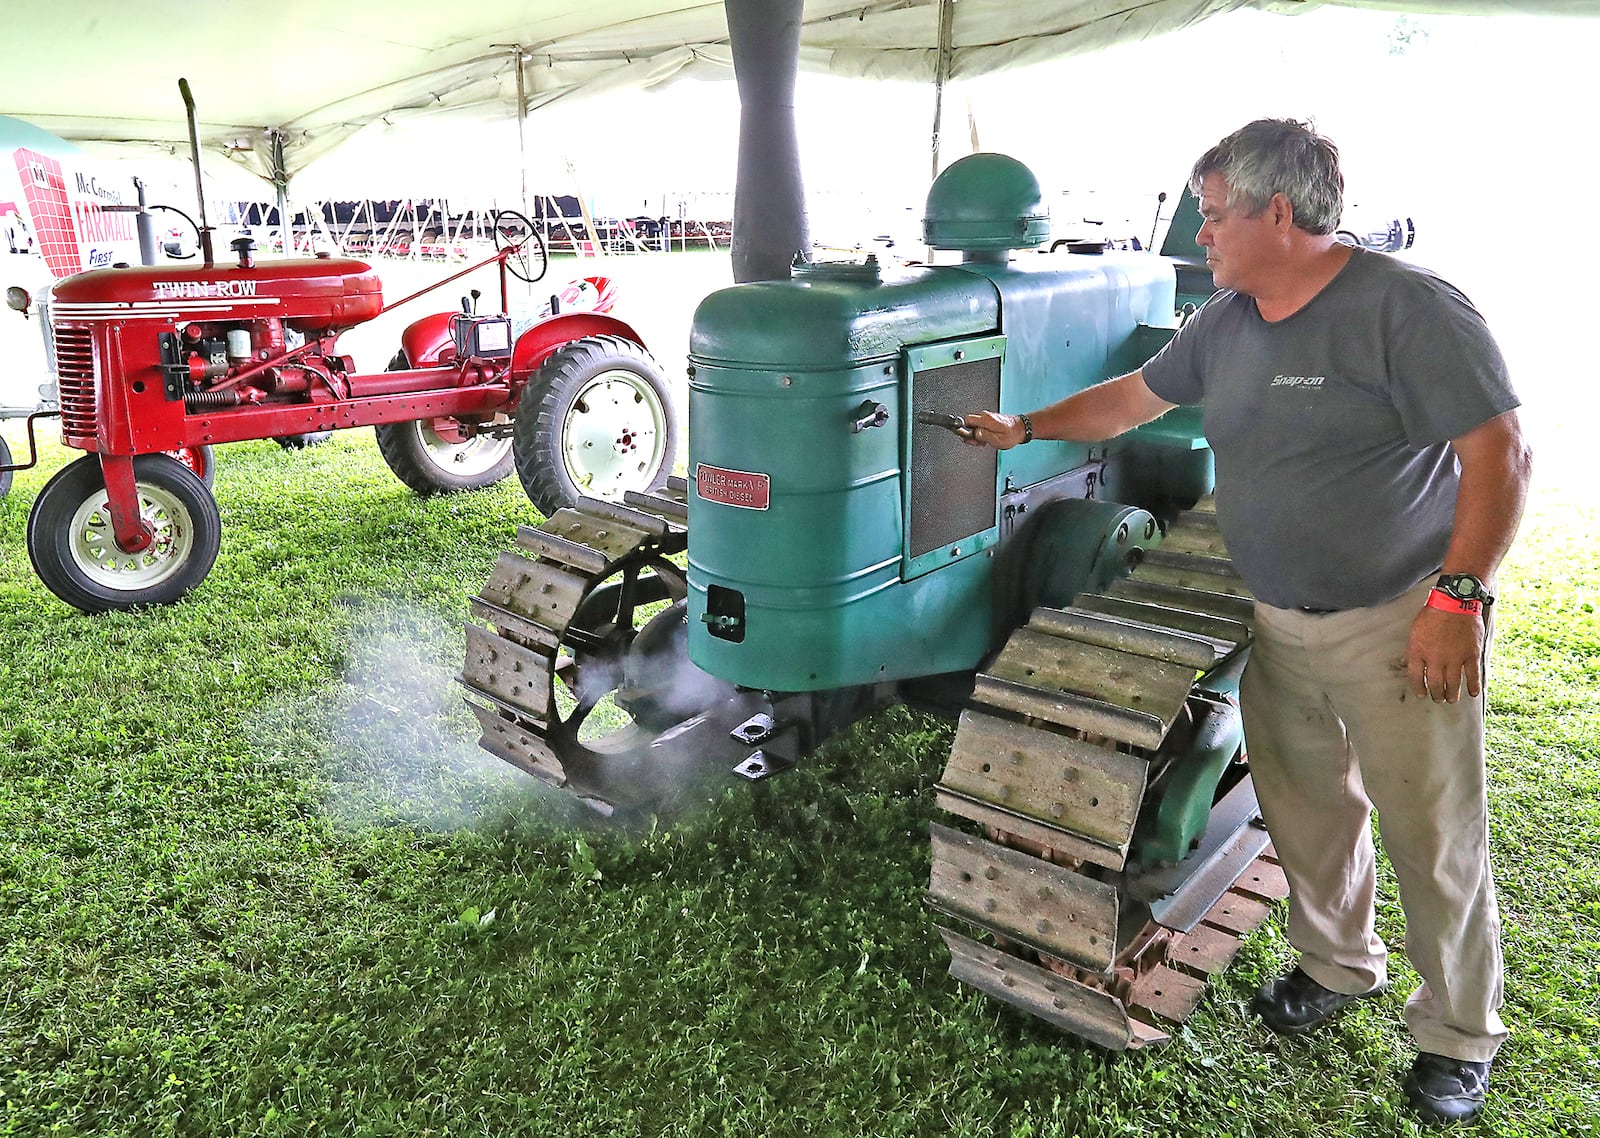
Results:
<point x="837" y="548"/>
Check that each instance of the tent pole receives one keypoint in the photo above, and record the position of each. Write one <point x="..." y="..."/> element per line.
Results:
<point x="941" y="71"/>
<point x="280" y="179"/>
<point x="769" y="204"/>
<point x="522" y="120"/>
<point x="320" y="222"/>
<point x="583" y="208"/>
<point x="553" y="203"/>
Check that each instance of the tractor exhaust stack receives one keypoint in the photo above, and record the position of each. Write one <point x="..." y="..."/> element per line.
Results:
<point x="199" y="185"/>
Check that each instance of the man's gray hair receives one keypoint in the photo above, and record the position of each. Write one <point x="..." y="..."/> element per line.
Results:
<point x="1278" y="156"/>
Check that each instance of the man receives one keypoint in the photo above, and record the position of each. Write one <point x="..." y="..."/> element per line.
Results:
<point x="1370" y="477"/>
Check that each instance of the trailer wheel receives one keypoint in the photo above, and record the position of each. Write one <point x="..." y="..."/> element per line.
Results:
<point x="72" y="548"/>
<point x="5" y="475"/>
<point x="595" y="421"/>
<point x="202" y="460"/>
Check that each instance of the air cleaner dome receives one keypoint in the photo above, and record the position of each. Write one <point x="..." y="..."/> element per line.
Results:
<point x="985" y="201"/>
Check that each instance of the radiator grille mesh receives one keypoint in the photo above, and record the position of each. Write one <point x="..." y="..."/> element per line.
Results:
<point x="952" y="485"/>
<point x="75" y="380"/>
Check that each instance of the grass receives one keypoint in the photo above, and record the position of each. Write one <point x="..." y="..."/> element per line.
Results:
<point x="257" y="879"/>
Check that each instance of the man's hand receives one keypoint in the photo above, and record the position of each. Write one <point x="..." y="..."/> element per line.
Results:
<point x="1445" y="655"/>
<point x="992" y="429"/>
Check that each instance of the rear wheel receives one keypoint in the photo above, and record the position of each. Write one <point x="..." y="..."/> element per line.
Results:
<point x="595" y="421"/>
<point x="5" y="475"/>
<point x="75" y="553"/>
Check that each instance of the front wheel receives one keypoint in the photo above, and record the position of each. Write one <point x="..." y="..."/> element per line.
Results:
<point x="595" y="421"/>
<point x="5" y="475"/>
<point x="75" y="553"/>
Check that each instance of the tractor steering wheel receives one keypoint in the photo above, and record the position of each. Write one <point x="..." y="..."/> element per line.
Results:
<point x="526" y="255"/>
<point x="173" y="249"/>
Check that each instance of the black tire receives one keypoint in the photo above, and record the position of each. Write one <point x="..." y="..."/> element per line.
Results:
<point x="532" y="260"/>
<point x="202" y="460"/>
<point x="595" y="421"/>
<point x="431" y="463"/>
<point x="300" y="442"/>
<point x="5" y="475"/>
<point x="70" y="543"/>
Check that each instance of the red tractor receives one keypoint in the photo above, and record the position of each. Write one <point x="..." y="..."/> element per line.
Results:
<point x="156" y="360"/>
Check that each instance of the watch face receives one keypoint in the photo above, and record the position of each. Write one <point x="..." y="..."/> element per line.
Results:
<point x="1462" y="585"/>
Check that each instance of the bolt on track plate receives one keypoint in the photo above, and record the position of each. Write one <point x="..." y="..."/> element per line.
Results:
<point x="760" y="765"/>
<point x="757" y="729"/>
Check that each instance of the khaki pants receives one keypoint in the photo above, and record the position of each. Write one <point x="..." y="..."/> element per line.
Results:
<point x="1333" y="732"/>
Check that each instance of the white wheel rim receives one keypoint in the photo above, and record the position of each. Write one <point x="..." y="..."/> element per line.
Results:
<point x="615" y="436"/>
<point x="93" y="544"/>
<point x="477" y="455"/>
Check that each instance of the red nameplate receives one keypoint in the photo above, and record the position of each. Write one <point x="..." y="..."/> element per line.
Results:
<point x="740" y="488"/>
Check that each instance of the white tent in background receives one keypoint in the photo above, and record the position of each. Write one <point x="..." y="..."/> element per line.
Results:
<point x="300" y="79"/>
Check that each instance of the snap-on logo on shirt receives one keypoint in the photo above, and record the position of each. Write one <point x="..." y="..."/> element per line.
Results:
<point x="1298" y="380"/>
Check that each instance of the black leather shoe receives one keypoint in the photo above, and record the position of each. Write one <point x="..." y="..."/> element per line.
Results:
<point x="1442" y="1089"/>
<point x="1295" y="1003"/>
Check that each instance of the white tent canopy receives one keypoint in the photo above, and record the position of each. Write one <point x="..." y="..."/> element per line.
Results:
<point x="302" y="76"/>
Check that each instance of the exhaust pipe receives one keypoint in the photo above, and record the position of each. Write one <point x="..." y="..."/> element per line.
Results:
<point x="199" y="185"/>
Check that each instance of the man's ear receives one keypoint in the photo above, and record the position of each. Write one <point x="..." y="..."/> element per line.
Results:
<point x="1281" y="210"/>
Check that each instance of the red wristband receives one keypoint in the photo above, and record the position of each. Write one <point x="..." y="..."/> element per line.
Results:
<point x="1444" y="602"/>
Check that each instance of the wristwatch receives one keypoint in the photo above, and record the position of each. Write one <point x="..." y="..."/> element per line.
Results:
<point x="1464" y="587"/>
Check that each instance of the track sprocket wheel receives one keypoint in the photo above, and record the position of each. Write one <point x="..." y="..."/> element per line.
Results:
<point x="584" y="672"/>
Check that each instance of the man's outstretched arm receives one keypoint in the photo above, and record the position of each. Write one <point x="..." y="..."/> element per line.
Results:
<point x="1100" y="412"/>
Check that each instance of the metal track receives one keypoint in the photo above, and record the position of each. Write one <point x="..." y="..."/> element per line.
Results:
<point x="1054" y="758"/>
<point x="1057" y="756"/>
<point x="560" y="620"/>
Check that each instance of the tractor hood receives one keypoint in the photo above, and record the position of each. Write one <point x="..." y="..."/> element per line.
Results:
<point x="830" y="314"/>
<point x="306" y="293"/>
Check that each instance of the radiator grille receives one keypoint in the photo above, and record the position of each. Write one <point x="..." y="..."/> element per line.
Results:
<point x="952" y="486"/>
<point x="75" y="380"/>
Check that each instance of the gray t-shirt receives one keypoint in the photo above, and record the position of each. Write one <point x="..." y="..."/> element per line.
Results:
<point x="1336" y="485"/>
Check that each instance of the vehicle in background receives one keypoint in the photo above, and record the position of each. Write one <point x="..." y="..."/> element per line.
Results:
<point x="1368" y="229"/>
<point x="1095" y="221"/>
<point x="19" y="239"/>
<point x="64" y="213"/>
